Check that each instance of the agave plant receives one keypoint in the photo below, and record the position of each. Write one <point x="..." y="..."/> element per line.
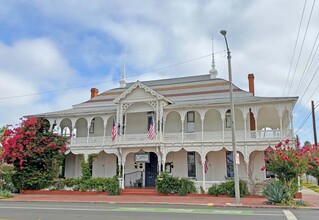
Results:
<point x="276" y="192"/>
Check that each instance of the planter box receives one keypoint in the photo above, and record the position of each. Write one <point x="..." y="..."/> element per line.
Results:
<point x="61" y="192"/>
<point x="298" y="195"/>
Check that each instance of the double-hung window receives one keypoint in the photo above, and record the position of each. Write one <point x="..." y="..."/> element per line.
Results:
<point x="190" y="121"/>
<point x="229" y="164"/>
<point x="191" y="164"/>
<point x="228" y="119"/>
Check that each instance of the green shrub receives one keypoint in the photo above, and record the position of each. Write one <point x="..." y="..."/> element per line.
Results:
<point x="71" y="182"/>
<point x="58" y="184"/>
<point x="167" y="184"/>
<point x="276" y="192"/>
<point x="99" y="184"/>
<point x="5" y="194"/>
<point x="113" y="187"/>
<point x="214" y="190"/>
<point x="186" y="186"/>
<point x="228" y="188"/>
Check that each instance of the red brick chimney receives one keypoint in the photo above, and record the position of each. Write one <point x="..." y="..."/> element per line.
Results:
<point x="251" y="84"/>
<point x="94" y="92"/>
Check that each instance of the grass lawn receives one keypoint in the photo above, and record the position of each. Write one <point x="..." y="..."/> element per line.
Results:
<point x="311" y="186"/>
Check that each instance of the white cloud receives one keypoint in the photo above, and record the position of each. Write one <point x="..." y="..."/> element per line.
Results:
<point x="29" y="67"/>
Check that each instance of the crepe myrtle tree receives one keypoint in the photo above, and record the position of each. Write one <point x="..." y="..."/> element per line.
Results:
<point x="288" y="162"/>
<point x="34" y="151"/>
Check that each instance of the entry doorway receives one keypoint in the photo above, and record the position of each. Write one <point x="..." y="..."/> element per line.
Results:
<point x="151" y="170"/>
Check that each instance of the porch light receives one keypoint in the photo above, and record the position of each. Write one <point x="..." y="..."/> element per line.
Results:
<point x="232" y="117"/>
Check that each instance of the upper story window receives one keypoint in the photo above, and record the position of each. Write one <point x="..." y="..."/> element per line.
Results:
<point x="92" y="126"/>
<point x="228" y="119"/>
<point x="191" y="165"/>
<point x="190" y="121"/>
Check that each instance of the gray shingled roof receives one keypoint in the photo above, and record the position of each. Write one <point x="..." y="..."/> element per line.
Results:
<point x="184" y="91"/>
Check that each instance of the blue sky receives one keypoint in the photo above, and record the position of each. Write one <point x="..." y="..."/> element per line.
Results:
<point x="53" y="45"/>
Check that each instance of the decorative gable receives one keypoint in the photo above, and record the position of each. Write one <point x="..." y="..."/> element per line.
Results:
<point x="140" y="92"/>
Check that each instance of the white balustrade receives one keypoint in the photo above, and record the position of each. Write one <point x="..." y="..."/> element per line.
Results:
<point x="188" y="137"/>
<point x="193" y="137"/>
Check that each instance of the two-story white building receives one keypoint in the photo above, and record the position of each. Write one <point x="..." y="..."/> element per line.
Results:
<point x="191" y="116"/>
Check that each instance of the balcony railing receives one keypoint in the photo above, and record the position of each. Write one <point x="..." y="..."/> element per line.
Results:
<point x="218" y="136"/>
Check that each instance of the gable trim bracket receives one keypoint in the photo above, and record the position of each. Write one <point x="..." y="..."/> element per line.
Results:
<point x="142" y="86"/>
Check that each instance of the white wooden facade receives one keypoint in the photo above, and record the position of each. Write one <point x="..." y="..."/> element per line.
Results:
<point x="190" y="115"/>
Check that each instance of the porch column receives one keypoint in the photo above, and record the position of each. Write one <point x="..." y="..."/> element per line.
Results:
<point x="202" y="119"/>
<point x="182" y="130"/>
<point x="104" y="132"/>
<point x="123" y="168"/>
<point x="163" y="164"/>
<point x="280" y="121"/>
<point x="159" y="164"/>
<point x="223" y="127"/>
<point x="73" y="138"/>
<point x="125" y="127"/>
<point x="203" y="173"/>
<point x="161" y="120"/>
<point x="117" y="122"/>
<point x="256" y="124"/>
<point x="163" y="130"/>
<point x="245" y="126"/>
<point x="88" y="134"/>
<point x="120" y="119"/>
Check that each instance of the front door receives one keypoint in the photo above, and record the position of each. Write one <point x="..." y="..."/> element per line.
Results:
<point x="151" y="170"/>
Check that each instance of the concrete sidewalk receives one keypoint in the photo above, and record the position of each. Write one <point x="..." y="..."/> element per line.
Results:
<point x="309" y="196"/>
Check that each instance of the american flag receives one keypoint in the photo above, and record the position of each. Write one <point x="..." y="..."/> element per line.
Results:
<point x="151" y="130"/>
<point x="114" y="130"/>
<point x="206" y="164"/>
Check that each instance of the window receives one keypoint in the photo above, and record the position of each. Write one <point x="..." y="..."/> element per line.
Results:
<point x="190" y="121"/>
<point x="229" y="164"/>
<point x="269" y="174"/>
<point x="228" y="119"/>
<point x="92" y="126"/>
<point x="191" y="164"/>
<point x="191" y="116"/>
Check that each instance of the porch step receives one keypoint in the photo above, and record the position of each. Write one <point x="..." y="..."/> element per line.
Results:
<point x="140" y="191"/>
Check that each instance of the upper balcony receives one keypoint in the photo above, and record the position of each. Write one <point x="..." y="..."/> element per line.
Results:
<point x="180" y="138"/>
<point x="181" y="127"/>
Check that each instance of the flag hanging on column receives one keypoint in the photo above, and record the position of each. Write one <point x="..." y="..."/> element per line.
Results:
<point x="114" y="130"/>
<point x="206" y="164"/>
<point x="151" y="130"/>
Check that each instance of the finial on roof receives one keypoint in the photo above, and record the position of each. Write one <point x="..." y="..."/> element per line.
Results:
<point x="213" y="72"/>
<point x="123" y="80"/>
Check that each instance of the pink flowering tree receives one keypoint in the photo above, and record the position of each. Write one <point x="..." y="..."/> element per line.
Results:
<point x="34" y="152"/>
<point x="289" y="162"/>
<point x="313" y="160"/>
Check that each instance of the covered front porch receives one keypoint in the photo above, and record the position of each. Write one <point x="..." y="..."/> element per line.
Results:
<point x="139" y="167"/>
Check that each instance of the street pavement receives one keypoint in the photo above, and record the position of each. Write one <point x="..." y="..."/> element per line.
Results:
<point x="106" y="211"/>
<point x="35" y="206"/>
